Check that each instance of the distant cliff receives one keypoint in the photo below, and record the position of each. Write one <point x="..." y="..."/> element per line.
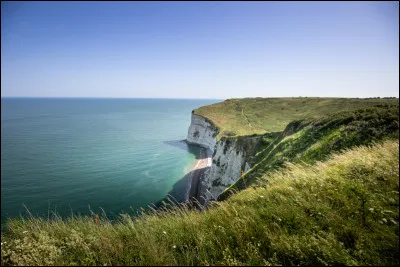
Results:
<point x="202" y="132"/>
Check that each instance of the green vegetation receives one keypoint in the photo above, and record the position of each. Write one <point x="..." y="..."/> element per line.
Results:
<point x="300" y="205"/>
<point x="311" y="140"/>
<point x="344" y="211"/>
<point x="248" y="116"/>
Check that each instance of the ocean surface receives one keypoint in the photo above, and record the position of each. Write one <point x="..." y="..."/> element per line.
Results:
<point x="66" y="155"/>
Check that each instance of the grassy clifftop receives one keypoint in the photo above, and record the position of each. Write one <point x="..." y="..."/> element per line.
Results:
<point x="344" y="211"/>
<point x="248" y="116"/>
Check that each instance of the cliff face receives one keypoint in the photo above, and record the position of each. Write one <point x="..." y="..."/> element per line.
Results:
<point x="229" y="160"/>
<point x="202" y="132"/>
<point x="229" y="156"/>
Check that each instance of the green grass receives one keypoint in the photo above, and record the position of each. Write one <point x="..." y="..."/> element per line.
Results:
<point x="343" y="211"/>
<point x="248" y="116"/>
<point x="311" y="140"/>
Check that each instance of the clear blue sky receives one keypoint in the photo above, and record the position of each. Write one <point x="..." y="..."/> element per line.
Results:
<point x="199" y="49"/>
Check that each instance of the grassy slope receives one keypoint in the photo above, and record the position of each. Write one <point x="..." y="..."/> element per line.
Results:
<point x="344" y="211"/>
<point x="248" y="116"/>
<point x="312" y="140"/>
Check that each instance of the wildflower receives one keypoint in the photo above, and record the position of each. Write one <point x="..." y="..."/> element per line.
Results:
<point x="174" y="246"/>
<point x="24" y="232"/>
<point x="262" y="196"/>
<point x="164" y="232"/>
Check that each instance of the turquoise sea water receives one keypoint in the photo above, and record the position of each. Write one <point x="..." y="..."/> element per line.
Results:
<point x="66" y="154"/>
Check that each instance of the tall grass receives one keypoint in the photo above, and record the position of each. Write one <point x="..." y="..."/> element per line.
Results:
<point x="344" y="211"/>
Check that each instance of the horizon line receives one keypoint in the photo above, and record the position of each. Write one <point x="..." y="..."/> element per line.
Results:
<point x="175" y="98"/>
<point x="107" y="97"/>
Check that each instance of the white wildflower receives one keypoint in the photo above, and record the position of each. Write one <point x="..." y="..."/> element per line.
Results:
<point x="262" y="196"/>
<point x="164" y="232"/>
<point x="24" y="232"/>
<point x="174" y="246"/>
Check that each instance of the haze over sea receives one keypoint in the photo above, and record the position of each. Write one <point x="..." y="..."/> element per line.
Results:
<point x="63" y="154"/>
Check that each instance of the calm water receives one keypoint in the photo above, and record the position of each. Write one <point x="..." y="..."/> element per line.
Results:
<point x="65" y="154"/>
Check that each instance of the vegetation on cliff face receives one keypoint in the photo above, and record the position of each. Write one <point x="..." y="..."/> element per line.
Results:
<point x="344" y="211"/>
<point x="248" y="116"/>
<point x="311" y="140"/>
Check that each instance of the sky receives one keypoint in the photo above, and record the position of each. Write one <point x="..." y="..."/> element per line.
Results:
<point x="212" y="50"/>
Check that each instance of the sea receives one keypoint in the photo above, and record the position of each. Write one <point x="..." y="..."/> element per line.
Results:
<point x="70" y="156"/>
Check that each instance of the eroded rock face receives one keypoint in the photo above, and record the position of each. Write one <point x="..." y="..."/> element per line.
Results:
<point x="229" y="156"/>
<point x="226" y="168"/>
<point x="202" y="132"/>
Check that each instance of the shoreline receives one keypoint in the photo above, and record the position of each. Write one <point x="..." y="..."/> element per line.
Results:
<point x="197" y="174"/>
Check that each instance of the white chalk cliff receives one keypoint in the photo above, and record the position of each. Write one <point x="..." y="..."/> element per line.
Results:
<point x="202" y="132"/>
<point x="228" y="157"/>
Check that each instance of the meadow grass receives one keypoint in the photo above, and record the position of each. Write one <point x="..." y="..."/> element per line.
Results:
<point x="343" y="211"/>
<point x="248" y="116"/>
